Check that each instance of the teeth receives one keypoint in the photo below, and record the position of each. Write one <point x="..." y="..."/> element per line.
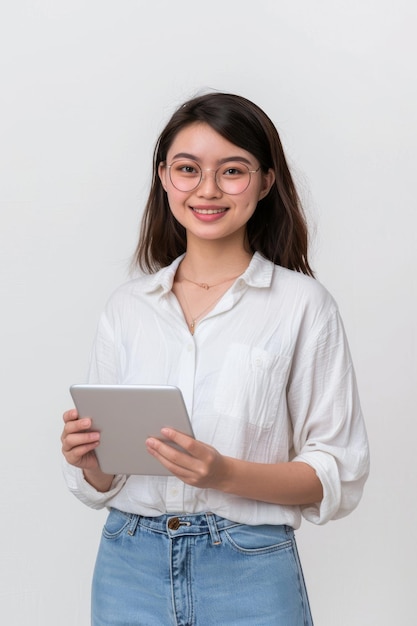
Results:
<point x="208" y="211"/>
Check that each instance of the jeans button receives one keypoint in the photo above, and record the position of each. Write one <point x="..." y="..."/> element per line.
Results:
<point x="174" y="523"/>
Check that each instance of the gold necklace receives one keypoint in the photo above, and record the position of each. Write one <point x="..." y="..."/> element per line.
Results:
<point x="195" y="318"/>
<point x="206" y="286"/>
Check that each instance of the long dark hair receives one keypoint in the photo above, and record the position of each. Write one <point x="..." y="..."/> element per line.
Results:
<point x="277" y="229"/>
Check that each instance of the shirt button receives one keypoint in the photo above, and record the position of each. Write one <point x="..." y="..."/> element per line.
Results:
<point x="190" y="347"/>
<point x="174" y="491"/>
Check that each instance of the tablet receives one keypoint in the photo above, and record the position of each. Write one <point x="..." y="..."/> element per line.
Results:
<point x="126" y="415"/>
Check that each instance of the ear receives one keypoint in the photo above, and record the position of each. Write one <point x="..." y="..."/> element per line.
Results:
<point x="162" y="173"/>
<point x="268" y="180"/>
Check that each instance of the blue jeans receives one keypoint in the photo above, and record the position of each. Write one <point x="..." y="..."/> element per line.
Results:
<point x="197" y="570"/>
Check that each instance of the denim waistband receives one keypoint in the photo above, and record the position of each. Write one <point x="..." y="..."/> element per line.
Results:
<point x="176" y="525"/>
<point x="179" y="524"/>
<point x="197" y="524"/>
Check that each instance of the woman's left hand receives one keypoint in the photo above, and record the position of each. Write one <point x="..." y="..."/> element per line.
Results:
<point x="197" y="464"/>
<point x="200" y="465"/>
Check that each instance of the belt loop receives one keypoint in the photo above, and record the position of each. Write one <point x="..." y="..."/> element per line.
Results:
<point x="214" y="531"/>
<point x="134" y="521"/>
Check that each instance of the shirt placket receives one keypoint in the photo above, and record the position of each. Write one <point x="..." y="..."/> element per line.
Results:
<point x="175" y="488"/>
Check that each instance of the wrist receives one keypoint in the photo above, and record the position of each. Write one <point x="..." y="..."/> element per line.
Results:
<point x="226" y="483"/>
<point x="98" y="479"/>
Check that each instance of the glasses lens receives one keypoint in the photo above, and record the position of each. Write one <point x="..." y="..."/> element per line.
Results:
<point x="185" y="175"/>
<point x="233" y="178"/>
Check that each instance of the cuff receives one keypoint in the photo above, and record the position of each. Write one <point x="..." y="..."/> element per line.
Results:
<point x="85" y="492"/>
<point x="326" y="469"/>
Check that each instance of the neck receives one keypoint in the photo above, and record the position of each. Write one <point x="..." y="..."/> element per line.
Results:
<point x="213" y="262"/>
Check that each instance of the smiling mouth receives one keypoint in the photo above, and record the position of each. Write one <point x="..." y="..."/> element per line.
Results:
<point x="208" y="211"/>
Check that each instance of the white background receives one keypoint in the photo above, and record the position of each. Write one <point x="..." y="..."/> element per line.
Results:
<point x="85" y="87"/>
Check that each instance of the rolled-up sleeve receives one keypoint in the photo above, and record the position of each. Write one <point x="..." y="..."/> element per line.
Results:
<point x="328" y="425"/>
<point x="85" y="492"/>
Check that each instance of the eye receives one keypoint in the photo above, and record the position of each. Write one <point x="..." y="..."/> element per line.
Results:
<point x="188" y="169"/>
<point x="185" y="168"/>
<point x="234" y="170"/>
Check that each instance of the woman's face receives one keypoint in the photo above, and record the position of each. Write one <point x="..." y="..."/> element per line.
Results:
<point x="208" y="212"/>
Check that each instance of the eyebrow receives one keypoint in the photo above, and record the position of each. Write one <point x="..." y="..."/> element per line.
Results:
<point x="186" y="155"/>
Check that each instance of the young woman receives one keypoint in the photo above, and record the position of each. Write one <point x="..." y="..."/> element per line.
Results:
<point x="228" y="311"/>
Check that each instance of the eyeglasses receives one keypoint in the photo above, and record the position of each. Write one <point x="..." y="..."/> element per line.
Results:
<point x="232" y="177"/>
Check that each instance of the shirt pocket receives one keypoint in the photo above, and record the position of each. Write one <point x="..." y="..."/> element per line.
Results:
<point x="251" y="384"/>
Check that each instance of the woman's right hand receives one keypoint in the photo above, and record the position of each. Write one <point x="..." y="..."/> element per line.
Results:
<point x="78" y="443"/>
<point x="78" y="447"/>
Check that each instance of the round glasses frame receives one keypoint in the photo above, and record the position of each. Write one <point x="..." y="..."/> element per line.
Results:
<point x="191" y="186"/>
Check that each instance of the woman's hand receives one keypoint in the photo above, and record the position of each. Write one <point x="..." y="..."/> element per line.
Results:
<point x="78" y="447"/>
<point x="198" y="465"/>
<point x="201" y="465"/>
<point x="78" y="443"/>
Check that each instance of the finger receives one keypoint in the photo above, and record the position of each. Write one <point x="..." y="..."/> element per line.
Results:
<point x="83" y="456"/>
<point x="70" y="415"/>
<point x="180" y="471"/>
<point x="76" y="426"/>
<point x="80" y="424"/>
<point x="169" y="456"/>
<point x="184" y="441"/>
<point x="74" y="455"/>
<point x="74" y="440"/>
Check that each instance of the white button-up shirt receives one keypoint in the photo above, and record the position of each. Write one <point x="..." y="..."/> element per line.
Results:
<point x="267" y="377"/>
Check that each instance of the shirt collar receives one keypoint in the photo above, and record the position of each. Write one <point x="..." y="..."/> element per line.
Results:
<point x="257" y="274"/>
<point x="164" y="278"/>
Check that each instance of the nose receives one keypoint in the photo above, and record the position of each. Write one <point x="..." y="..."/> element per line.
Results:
<point x="208" y="186"/>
